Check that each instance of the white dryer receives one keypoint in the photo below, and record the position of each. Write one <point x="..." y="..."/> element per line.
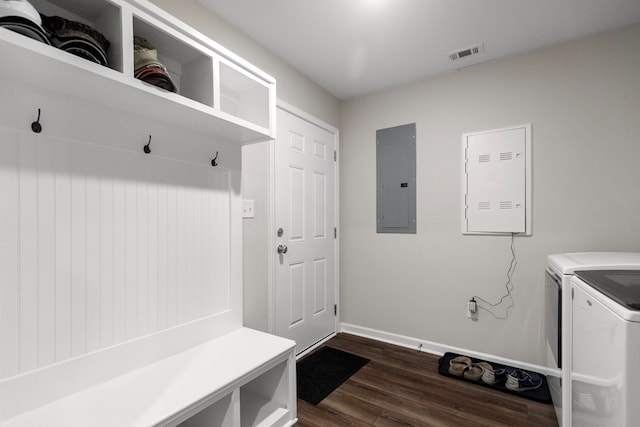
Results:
<point x="559" y="273"/>
<point x="606" y="348"/>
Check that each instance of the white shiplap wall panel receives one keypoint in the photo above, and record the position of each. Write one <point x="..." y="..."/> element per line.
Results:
<point x="101" y="245"/>
<point x="9" y="254"/>
<point x="130" y="307"/>
<point x="152" y="254"/>
<point x="219" y="255"/>
<point x="141" y="256"/>
<point x="28" y="255"/>
<point x="63" y="258"/>
<point x="92" y="244"/>
<point x="78" y="201"/>
<point x="172" y="251"/>
<point x="106" y="255"/>
<point x="46" y="252"/>
<point x="119" y="256"/>
<point x="163" y="253"/>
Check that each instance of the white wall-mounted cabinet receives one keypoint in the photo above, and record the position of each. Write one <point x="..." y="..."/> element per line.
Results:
<point x="496" y="193"/>
<point x="219" y="94"/>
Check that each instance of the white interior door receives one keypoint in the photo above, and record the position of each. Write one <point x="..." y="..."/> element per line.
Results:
<point x="305" y="239"/>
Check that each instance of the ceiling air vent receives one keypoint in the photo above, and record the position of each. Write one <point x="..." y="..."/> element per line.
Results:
<point x="463" y="53"/>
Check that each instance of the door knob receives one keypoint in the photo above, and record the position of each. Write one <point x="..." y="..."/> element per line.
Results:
<point x="282" y="249"/>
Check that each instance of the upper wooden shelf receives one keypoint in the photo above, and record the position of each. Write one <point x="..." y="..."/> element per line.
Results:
<point x="218" y="94"/>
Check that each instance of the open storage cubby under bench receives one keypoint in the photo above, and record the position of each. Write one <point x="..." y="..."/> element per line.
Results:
<point x="243" y="378"/>
<point x="218" y="93"/>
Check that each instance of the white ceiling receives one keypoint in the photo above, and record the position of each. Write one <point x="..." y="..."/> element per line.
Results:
<point x="355" y="47"/>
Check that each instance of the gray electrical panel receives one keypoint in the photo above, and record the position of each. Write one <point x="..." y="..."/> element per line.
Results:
<point x="396" y="179"/>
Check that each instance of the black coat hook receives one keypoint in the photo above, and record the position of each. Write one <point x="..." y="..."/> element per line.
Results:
<point x="213" y="161"/>
<point x="147" y="148"/>
<point x="36" y="126"/>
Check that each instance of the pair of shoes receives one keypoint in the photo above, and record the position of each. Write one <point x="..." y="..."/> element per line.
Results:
<point x="520" y="380"/>
<point x="462" y="366"/>
<point x="476" y="370"/>
<point x="493" y="375"/>
<point x="459" y="365"/>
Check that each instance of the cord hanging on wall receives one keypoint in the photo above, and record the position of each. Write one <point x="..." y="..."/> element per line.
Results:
<point x="147" y="148"/>
<point x="36" y="126"/>
<point x="213" y="161"/>
<point x="489" y="307"/>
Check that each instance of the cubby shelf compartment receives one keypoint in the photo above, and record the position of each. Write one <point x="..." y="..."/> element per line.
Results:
<point x="242" y="95"/>
<point x="221" y="413"/>
<point x="189" y="65"/>
<point x="264" y="400"/>
<point x="219" y="94"/>
<point x="104" y="16"/>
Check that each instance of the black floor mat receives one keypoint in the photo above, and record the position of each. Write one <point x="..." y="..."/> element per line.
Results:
<point x="541" y="394"/>
<point x="323" y="371"/>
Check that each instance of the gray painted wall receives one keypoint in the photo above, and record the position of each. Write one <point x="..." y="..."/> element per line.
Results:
<point x="583" y="100"/>
<point x="255" y="186"/>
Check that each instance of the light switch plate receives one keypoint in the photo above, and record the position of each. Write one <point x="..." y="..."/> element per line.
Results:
<point x="248" y="209"/>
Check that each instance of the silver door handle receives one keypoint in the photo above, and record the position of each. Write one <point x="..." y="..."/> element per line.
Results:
<point x="282" y="249"/>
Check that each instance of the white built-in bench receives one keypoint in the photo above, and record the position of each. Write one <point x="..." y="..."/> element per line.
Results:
<point x="242" y="378"/>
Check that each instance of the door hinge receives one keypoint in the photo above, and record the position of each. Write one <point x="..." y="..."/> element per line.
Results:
<point x="335" y="232"/>
<point x="335" y="309"/>
<point x="335" y="156"/>
<point x="466" y="157"/>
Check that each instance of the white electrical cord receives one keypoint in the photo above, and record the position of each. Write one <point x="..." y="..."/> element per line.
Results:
<point x="508" y="286"/>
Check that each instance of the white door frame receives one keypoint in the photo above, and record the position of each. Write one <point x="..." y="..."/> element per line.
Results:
<point x="272" y="216"/>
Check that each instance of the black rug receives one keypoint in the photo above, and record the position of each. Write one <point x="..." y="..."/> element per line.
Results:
<point x="323" y="371"/>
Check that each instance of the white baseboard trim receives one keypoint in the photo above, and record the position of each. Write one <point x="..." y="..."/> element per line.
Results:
<point x="438" y="349"/>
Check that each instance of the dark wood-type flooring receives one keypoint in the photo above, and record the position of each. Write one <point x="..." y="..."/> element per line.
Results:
<point x="402" y="387"/>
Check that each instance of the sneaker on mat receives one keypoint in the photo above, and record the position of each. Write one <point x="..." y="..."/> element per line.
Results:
<point x="493" y="374"/>
<point x="520" y="380"/>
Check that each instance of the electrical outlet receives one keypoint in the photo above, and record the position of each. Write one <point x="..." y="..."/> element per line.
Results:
<point x="472" y="305"/>
<point x="248" y="209"/>
<point x="472" y="308"/>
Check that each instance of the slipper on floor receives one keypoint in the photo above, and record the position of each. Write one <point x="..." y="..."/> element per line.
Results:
<point x="458" y="365"/>
<point x="476" y="370"/>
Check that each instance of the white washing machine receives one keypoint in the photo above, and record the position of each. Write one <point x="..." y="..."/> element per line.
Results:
<point x="560" y="270"/>
<point x="606" y="348"/>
